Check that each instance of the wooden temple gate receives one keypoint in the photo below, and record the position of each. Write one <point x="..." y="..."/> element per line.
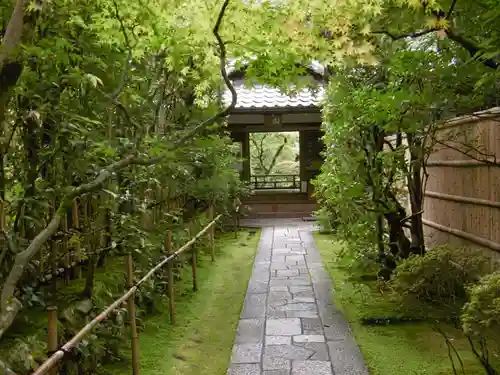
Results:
<point x="265" y="109"/>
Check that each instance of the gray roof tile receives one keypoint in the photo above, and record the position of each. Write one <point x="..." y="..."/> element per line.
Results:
<point x="265" y="97"/>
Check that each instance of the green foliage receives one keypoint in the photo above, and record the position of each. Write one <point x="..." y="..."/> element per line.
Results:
<point x="377" y="118"/>
<point x="24" y="352"/>
<point x="481" y="314"/>
<point x="435" y="285"/>
<point x="325" y="220"/>
<point x="274" y="153"/>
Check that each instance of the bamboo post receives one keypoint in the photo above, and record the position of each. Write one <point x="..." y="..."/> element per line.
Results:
<point x="22" y="223"/>
<point x="86" y="226"/>
<point x="54" y="262"/>
<point x="211" y="233"/>
<point x="131" y="315"/>
<point x="65" y="250"/>
<point x="52" y="334"/>
<point x="3" y="240"/>
<point x="2" y="214"/>
<point x="78" y="249"/>
<point x="170" y="272"/>
<point x="193" y="260"/>
<point x="54" y="269"/>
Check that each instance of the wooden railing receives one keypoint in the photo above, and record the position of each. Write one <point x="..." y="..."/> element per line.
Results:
<point x="275" y="181"/>
<point x="59" y="352"/>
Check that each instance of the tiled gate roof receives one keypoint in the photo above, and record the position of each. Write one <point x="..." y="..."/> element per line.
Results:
<point x="265" y="97"/>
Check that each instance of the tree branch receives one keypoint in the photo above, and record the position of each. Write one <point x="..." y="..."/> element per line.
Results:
<point x="124" y="76"/>
<point x="388" y="143"/>
<point x="452" y="8"/>
<point x="473" y="49"/>
<point x="275" y="158"/>
<point x="403" y="36"/>
<point x="226" y="79"/>
<point x="13" y="34"/>
<point x="486" y="159"/>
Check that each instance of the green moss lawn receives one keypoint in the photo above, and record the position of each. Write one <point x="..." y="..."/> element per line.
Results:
<point x="202" y="340"/>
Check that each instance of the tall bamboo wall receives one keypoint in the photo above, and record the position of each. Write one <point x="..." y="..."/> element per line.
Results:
<point x="462" y="196"/>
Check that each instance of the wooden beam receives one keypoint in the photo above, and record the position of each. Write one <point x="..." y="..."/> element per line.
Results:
<point x="261" y="128"/>
<point x="462" y="199"/>
<point x="466" y="236"/>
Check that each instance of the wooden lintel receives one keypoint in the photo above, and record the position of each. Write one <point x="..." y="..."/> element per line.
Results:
<point x="250" y="128"/>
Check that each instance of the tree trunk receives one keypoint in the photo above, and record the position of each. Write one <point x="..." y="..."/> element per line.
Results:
<point x="88" y="290"/>
<point x="416" y="194"/>
<point x="31" y="146"/>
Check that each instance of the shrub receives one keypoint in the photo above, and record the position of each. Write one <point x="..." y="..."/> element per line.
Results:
<point x="481" y="314"/>
<point x="325" y="219"/>
<point x="435" y="285"/>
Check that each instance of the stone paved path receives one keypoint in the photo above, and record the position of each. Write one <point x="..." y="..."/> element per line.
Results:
<point x="288" y="325"/>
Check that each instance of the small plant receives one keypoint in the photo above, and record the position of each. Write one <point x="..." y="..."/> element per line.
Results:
<point x="325" y="219"/>
<point x="481" y="318"/>
<point x="437" y="282"/>
<point x="481" y="314"/>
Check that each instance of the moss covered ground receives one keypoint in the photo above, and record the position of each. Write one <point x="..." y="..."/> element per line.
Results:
<point x="202" y="340"/>
<point x="410" y="348"/>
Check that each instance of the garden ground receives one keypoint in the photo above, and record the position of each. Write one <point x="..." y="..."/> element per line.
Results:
<point x="408" y="348"/>
<point x="201" y="341"/>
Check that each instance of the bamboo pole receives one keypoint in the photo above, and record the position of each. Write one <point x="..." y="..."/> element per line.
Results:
<point x="52" y="334"/>
<point x="193" y="261"/>
<point x="3" y="240"/>
<point x="78" y="249"/>
<point x="53" y="267"/>
<point x="170" y="273"/>
<point x="131" y="315"/>
<point x="65" y="250"/>
<point x="86" y="225"/>
<point x="211" y="235"/>
<point x="2" y="215"/>
<point x="22" y="223"/>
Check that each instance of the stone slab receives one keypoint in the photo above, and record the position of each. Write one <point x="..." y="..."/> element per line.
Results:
<point x="287" y="272"/>
<point x="320" y="350"/>
<point x="312" y="325"/>
<point x="288" y="352"/>
<point x="346" y="358"/>
<point x="283" y="327"/>
<point x="250" y="331"/>
<point x="277" y="372"/>
<point x="246" y="353"/>
<point x="278" y="340"/>
<point x="312" y="367"/>
<point x="308" y="338"/>
<point x="303" y="300"/>
<point x="301" y="314"/>
<point x="275" y="363"/>
<point x="254" y="306"/>
<point x="257" y="287"/>
<point x="248" y="369"/>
